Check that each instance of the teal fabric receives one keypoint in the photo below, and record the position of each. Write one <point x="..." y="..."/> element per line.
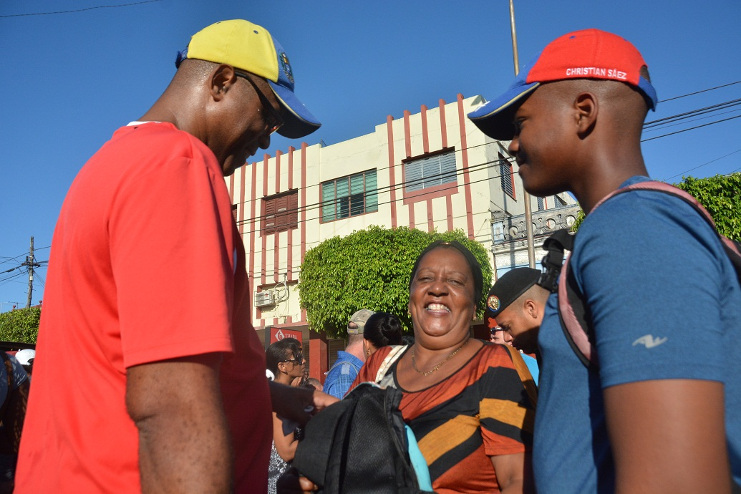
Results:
<point x="418" y="461"/>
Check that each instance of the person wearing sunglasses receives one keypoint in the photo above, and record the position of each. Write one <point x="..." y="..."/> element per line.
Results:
<point x="147" y="287"/>
<point x="285" y="360"/>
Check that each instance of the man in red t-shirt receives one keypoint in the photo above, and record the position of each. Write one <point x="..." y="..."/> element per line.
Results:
<point x="149" y="373"/>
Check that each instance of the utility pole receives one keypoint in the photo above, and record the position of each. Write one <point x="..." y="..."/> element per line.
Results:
<point x="526" y="196"/>
<point x="31" y="263"/>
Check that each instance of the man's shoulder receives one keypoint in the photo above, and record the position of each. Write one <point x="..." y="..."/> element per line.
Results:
<point x="347" y="360"/>
<point x="155" y="132"/>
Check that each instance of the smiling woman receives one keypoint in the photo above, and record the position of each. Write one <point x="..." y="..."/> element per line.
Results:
<point x="471" y="411"/>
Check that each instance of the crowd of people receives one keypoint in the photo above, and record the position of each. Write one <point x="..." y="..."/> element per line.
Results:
<point x="167" y="396"/>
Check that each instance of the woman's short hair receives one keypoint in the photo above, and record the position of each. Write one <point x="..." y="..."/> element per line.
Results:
<point x="279" y="351"/>
<point x="383" y="329"/>
<point x="473" y="264"/>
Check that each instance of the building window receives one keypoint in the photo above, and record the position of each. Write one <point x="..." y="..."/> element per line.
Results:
<point x="349" y="196"/>
<point x="507" y="177"/>
<point x="430" y="171"/>
<point x="559" y="202"/>
<point x="280" y="212"/>
<point x="541" y="204"/>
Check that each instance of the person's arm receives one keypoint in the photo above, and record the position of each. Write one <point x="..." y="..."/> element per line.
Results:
<point x="183" y="434"/>
<point x="285" y="445"/>
<point x="514" y="473"/>
<point x="668" y="436"/>
<point x="298" y="403"/>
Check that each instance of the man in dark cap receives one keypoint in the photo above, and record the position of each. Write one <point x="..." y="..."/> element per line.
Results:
<point x="147" y="289"/>
<point x="661" y="415"/>
<point x="515" y="306"/>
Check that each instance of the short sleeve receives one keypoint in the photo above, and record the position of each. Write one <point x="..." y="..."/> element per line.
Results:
<point x="643" y="282"/>
<point x="172" y="256"/>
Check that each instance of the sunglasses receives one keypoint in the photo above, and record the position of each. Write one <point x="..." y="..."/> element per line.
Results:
<point x="494" y="331"/>
<point x="298" y="360"/>
<point x="273" y="118"/>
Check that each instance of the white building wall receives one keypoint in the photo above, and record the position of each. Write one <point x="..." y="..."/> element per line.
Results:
<point x="273" y="260"/>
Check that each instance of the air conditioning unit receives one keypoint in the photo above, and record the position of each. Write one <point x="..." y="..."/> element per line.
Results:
<point x="263" y="299"/>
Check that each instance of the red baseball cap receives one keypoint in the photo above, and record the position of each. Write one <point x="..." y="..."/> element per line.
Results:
<point x="587" y="54"/>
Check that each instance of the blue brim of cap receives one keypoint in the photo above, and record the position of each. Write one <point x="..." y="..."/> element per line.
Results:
<point x="298" y="119"/>
<point x="494" y="118"/>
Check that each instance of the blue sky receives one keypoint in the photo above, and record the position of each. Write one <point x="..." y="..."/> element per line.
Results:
<point x="81" y="68"/>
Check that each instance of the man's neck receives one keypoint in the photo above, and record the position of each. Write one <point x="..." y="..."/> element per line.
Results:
<point x="356" y="349"/>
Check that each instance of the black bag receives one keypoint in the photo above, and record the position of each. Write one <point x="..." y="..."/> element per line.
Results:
<point x="358" y="445"/>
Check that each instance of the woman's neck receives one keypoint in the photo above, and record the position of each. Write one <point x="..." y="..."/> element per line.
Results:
<point x="284" y="379"/>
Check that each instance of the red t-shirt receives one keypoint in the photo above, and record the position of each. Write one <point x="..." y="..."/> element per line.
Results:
<point x="146" y="265"/>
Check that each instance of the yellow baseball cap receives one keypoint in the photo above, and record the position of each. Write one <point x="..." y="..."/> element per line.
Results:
<point x="252" y="48"/>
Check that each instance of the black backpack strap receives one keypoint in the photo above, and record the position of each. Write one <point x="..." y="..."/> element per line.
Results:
<point x="555" y="245"/>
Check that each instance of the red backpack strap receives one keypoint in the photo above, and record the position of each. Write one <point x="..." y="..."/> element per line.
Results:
<point x="666" y="188"/>
<point x="575" y="318"/>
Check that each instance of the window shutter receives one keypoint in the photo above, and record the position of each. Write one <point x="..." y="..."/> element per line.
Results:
<point x="371" y="191"/>
<point x="413" y="176"/>
<point x="448" y="172"/>
<point x="328" y="203"/>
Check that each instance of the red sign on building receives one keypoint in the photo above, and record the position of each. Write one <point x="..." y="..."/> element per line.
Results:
<point x="277" y="334"/>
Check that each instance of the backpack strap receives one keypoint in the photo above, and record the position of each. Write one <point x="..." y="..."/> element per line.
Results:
<point x="396" y="352"/>
<point x="575" y="319"/>
<point x="572" y="309"/>
<point x="732" y="248"/>
<point x="555" y="245"/>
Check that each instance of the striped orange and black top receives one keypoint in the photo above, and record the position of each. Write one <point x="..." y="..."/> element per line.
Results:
<point x="484" y="409"/>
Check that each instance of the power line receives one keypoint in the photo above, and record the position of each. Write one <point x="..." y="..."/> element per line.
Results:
<point x="704" y="164"/>
<point x="80" y="10"/>
<point x="701" y="91"/>
<point x="691" y="128"/>
<point x="653" y="125"/>
<point x="693" y="113"/>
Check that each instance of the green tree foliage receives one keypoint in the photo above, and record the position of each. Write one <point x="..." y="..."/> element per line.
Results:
<point x="721" y="196"/>
<point x="369" y="269"/>
<point x="20" y="325"/>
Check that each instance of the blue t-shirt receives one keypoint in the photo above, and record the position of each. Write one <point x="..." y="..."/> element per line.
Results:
<point x="656" y="279"/>
<point x="342" y="374"/>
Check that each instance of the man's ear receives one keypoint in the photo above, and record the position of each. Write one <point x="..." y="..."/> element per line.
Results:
<point x="222" y="78"/>
<point x="531" y="308"/>
<point x="586" y="106"/>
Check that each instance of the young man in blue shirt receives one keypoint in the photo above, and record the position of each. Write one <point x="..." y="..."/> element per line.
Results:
<point x="662" y="414"/>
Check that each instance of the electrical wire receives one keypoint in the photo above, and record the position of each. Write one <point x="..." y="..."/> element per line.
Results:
<point x="74" y="11"/>
<point x="699" y="92"/>
<point x="655" y="125"/>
